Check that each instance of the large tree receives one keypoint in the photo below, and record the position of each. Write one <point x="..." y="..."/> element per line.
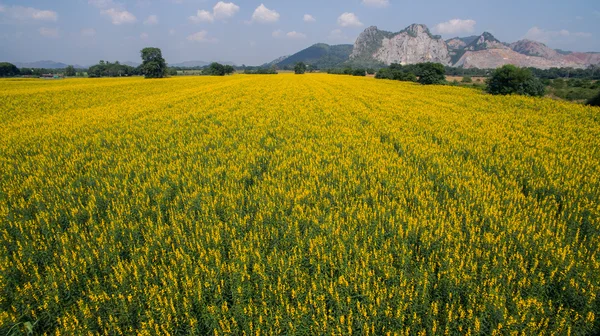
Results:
<point x="431" y="73"/>
<point x="70" y="71"/>
<point x="153" y="63"/>
<point x="215" y="69"/>
<point x="300" y="68"/>
<point x="510" y="79"/>
<point x="8" y="70"/>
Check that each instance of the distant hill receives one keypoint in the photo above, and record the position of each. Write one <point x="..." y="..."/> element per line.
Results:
<point x="196" y="64"/>
<point x="44" y="65"/>
<point x="132" y="64"/>
<point x="320" y="55"/>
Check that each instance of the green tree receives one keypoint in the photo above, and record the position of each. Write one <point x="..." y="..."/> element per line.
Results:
<point x="214" y="69"/>
<point x="8" y="70"/>
<point x="467" y="79"/>
<point x="359" y="72"/>
<point x="431" y="73"/>
<point x="300" y="68"/>
<point x="510" y="79"/>
<point x="70" y="71"/>
<point x="594" y="101"/>
<point x="153" y="63"/>
<point x="229" y="69"/>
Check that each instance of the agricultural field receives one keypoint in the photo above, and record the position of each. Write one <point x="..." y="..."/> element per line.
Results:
<point x="295" y="205"/>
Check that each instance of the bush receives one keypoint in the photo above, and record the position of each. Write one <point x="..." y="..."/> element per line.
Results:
<point x="300" y="68"/>
<point x="359" y="72"/>
<point x="8" y="70"/>
<point x="431" y="73"/>
<point x="594" y="101"/>
<point x="467" y="79"/>
<point x="370" y="71"/>
<point x="396" y="72"/>
<point x="510" y="79"/>
<point x="214" y="69"/>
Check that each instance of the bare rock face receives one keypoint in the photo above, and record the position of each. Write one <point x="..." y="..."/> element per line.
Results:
<point x="533" y="48"/>
<point x="415" y="44"/>
<point x="494" y="58"/>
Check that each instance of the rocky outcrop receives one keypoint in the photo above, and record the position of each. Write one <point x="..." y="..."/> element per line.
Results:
<point x="494" y="58"/>
<point x="533" y="48"/>
<point x="485" y="41"/>
<point x="415" y="44"/>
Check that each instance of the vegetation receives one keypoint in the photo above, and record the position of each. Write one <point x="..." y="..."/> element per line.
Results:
<point x="217" y="69"/>
<point x="153" y="63"/>
<point x="320" y="56"/>
<point x="70" y="71"/>
<point x="8" y="70"/>
<point x="261" y="71"/>
<point x="300" y="68"/>
<point x="398" y="72"/>
<point x="431" y="73"/>
<point x="467" y="80"/>
<point x="595" y="101"/>
<point x="108" y="69"/>
<point x="572" y="89"/>
<point x="295" y="205"/>
<point x="359" y="72"/>
<point x="513" y="80"/>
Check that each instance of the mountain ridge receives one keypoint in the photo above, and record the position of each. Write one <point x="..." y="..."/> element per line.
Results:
<point x="416" y="44"/>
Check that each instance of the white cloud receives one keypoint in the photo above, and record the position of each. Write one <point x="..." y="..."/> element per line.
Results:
<point x="225" y="10"/>
<point x="349" y="20"/>
<point x="309" y="18"/>
<point x="151" y="20"/>
<point x="144" y="36"/>
<point x="546" y="36"/>
<point x="221" y="11"/>
<point x="376" y="3"/>
<point x="29" y="13"/>
<point x="201" y="36"/>
<point x="48" y="32"/>
<point x="202" y="16"/>
<point x="119" y="17"/>
<point x="295" y="35"/>
<point x="455" y="26"/>
<point x="88" y="32"/>
<point x="264" y="15"/>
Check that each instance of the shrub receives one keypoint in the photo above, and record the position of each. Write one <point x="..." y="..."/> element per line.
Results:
<point x="359" y="72"/>
<point x="467" y="79"/>
<point x="510" y="79"/>
<point x="431" y="73"/>
<point x="594" y="101"/>
<point x="300" y="68"/>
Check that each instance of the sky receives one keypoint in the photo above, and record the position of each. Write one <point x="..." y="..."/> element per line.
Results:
<point x="255" y="32"/>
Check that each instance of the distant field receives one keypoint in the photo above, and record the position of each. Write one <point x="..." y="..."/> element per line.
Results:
<point x="288" y="205"/>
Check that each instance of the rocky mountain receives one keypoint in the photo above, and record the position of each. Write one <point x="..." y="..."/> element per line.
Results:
<point x="458" y="43"/>
<point x="486" y="52"/>
<point x="415" y="44"/>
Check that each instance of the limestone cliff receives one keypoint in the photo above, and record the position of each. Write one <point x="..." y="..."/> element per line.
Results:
<point x="415" y="44"/>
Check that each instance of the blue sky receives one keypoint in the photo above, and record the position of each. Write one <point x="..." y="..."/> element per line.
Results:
<point x="253" y="32"/>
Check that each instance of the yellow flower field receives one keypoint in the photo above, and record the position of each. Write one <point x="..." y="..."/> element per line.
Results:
<point x="295" y="205"/>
